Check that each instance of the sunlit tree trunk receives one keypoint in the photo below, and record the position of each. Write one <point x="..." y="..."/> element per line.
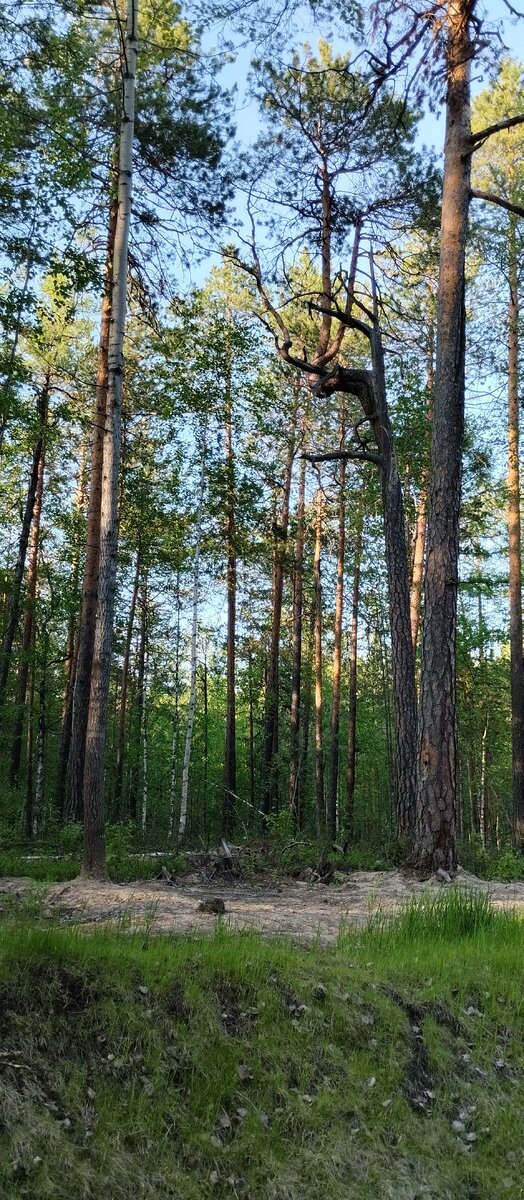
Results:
<point x="193" y="664"/>
<point x="176" y="719"/>
<point x="230" y="760"/>
<point x="121" y="744"/>
<point x="514" y="542"/>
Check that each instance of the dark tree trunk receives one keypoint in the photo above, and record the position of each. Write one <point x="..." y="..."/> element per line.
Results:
<point x="270" y="749"/>
<point x="514" y="541"/>
<point x="437" y="799"/>
<point x="13" y="611"/>
<point x="230" y="761"/>
<point x="296" y="678"/>
<point x="319" y="745"/>
<point x="71" y="657"/>
<point x="29" y="617"/>
<point x="352" y="698"/>
<point x="334" y="747"/>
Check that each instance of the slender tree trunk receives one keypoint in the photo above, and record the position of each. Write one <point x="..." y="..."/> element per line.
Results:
<point x="29" y="787"/>
<point x="71" y="658"/>
<point x="269" y="775"/>
<point x="230" y="762"/>
<point x="94" y="861"/>
<point x="251" y="731"/>
<point x="144" y="743"/>
<point x="16" y="590"/>
<point x="193" y="666"/>
<point x="308" y="690"/>
<point x="319" y="747"/>
<point x="352" y="699"/>
<point x="41" y="745"/>
<point x="417" y="575"/>
<point x="176" y="719"/>
<point x="29" y="616"/>
<point x="75" y="797"/>
<point x="334" y="747"/>
<point x="120" y="807"/>
<point x="514" y="541"/>
<point x="296" y="677"/>
<point x="435" y="841"/>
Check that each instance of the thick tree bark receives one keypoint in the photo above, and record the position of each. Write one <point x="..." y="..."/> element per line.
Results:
<point x="334" y="747"/>
<point x="94" y="861"/>
<point x="352" y="697"/>
<point x="230" y="761"/>
<point x="269" y="781"/>
<point x="319" y="744"/>
<point x="296" y="676"/>
<point x="435" y="841"/>
<point x="514" y="544"/>
<point x="29" y="617"/>
<point x="29" y="508"/>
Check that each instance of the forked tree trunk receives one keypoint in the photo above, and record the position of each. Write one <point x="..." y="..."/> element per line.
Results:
<point x="29" y="617"/>
<point x="94" y="860"/>
<point x="435" y="840"/>
<point x="514" y="543"/>
<point x="334" y="747"/>
<point x="319" y="745"/>
<point x="13" y="610"/>
<point x="270" y="749"/>
<point x="352" y="697"/>
<point x="296" y="676"/>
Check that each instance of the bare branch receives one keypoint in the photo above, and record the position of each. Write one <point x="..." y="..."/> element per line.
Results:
<point x="477" y="139"/>
<point x="491" y="198"/>
<point x="345" y="456"/>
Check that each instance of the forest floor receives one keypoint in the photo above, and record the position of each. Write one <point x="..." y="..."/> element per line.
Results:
<point x="301" y="909"/>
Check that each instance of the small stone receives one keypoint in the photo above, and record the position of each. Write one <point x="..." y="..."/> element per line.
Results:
<point x="367" y="1019"/>
<point x="264" y="1119"/>
<point x="320" y="992"/>
<point x="143" y="989"/>
<point x="471" y="1137"/>
<point x="213" y="1178"/>
<point x="110" y="1058"/>
<point x="370" y="1083"/>
<point x="458" y="1126"/>
<point x="91" y="1094"/>
<point x="244" y="1072"/>
<point x="213" y="904"/>
<point x="66" y="1124"/>
<point x="37" y="1160"/>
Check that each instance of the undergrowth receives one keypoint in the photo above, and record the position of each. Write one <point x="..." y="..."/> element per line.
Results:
<point x="387" y="1068"/>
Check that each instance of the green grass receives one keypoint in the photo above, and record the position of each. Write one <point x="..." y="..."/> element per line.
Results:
<point x="190" y="1068"/>
<point x="45" y="867"/>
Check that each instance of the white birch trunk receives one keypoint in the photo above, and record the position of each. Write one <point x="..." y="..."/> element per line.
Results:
<point x="193" y="669"/>
<point x="94" y="841"/>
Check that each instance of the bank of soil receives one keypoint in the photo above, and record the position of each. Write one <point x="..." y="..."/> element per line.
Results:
<point x="304" y="910"/>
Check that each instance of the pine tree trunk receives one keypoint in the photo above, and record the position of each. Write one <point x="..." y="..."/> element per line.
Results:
<point x="319" y="747"/>
<point x="269" y="772"/>
<point x="29" y="508"/>
<point x="29" y="616"/>
<point x="352" y="698"/>
<point x="71" y="658"/>
<point x="230" y="764"/>
<point x="29" y="786"/>
<point x="94" y="861"/>
<point x="75" y="795"/>
<point x="437" y="798"/>
<point x="193" y="664"/>
<point x="334" y="748"/>
<point x="514" y="543"/>
<point x="296" y="677"/>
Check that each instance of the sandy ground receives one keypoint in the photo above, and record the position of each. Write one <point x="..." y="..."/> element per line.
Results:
<point x="303" y="911"/>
